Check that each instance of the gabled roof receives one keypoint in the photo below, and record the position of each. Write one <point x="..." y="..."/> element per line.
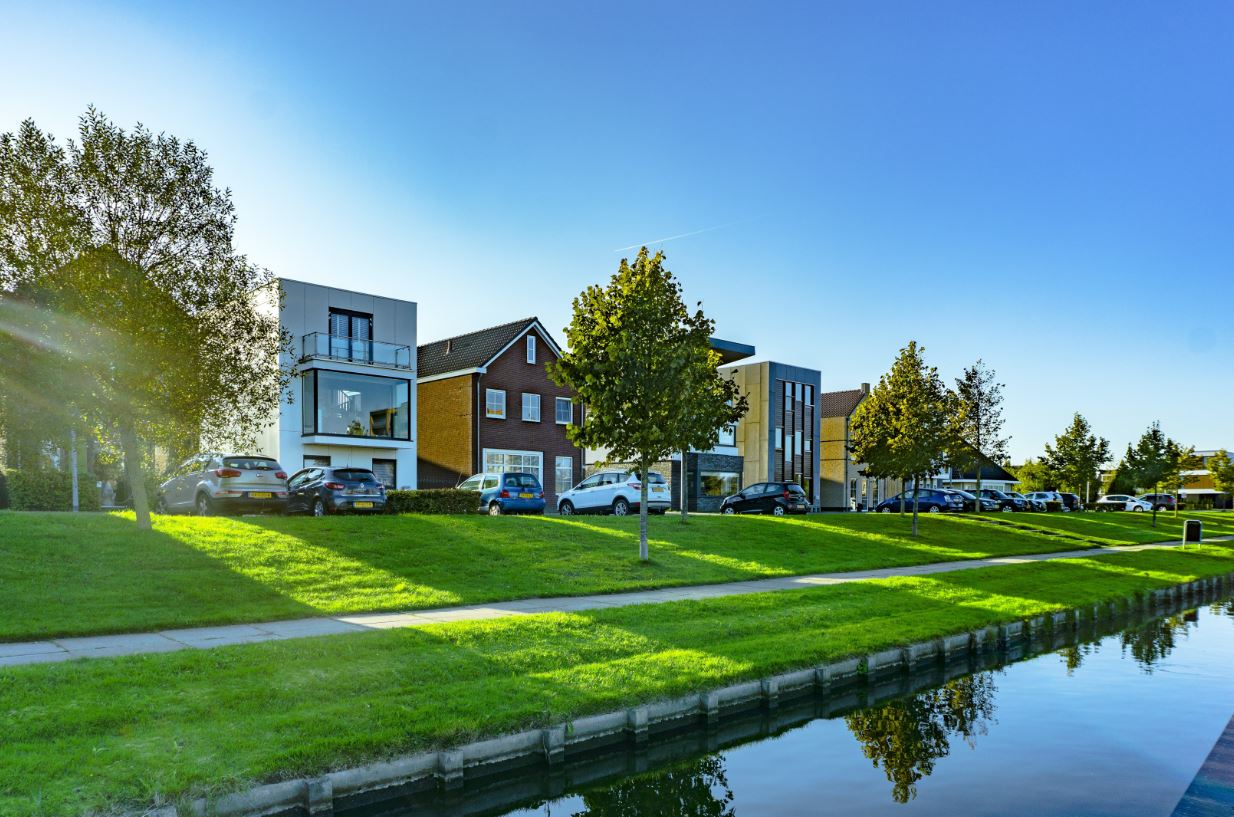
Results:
<point x="989" y="470"/>
<point x="839" y="403"/>
<point x="475" y="349"/>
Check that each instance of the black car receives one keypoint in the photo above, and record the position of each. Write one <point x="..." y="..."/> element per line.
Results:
<point x="1161" y="502"/>
<point x="776" y="498"/>
<point x="321" y="490"/>
<point x="1072" y="501"/>
<point x="930" y="500"/>
<point x="1006" y="502"/>
<point x="970" y="501"/>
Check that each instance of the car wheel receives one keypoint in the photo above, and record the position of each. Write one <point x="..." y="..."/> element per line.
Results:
<point x="1006" y="509"/>
<point x="778" y="510"/>
<point x="884" y="510"/>
<point x="1137" y="509"/>
<point x="934" y="509"/>
<point x="494" y="509"/>
<point x="204" y="506"/>
<point x="567" y="508"/>
<point x="728" y="510"/>
<point x="319" y="507"/>
<point x="621" y="507"/>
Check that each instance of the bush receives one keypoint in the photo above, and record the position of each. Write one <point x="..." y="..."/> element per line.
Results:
<point x="440" y="500"/>
<point x="47" y="490"/>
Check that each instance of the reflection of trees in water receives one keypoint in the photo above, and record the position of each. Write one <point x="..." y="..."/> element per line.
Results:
<point x="1223" y="608"/>
<point x="906" y="737"/>
<point x="1075" y="655"/>
<point x="695" y="789"/>
<point x="1154" y="641"/>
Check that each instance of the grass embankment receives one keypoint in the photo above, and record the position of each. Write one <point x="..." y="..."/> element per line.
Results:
<point x="66" y="574"/>
<point x="126" y="731"/>
<point x="1118" y="528"/>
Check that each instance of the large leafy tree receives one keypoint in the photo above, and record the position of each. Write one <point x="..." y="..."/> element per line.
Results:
<point x="903" y="429"/>
<point x="1034" y="475"/>
<point x="1077" y="456"/>
<point x="977" y="422"/>
<point x="1150" y="461"/>
<point x="643" y="366"/>
<point x="1180" y="465"/>
<point x="116" y="250"/>
<point x="1221" y="467"/>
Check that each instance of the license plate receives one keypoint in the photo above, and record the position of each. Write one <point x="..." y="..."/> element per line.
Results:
<point x="260" y="494"/>
<point x="364" y="504"/>
<point x="526" y="496"/>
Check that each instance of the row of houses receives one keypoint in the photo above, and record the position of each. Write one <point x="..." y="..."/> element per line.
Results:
<point x="430" y="415"/>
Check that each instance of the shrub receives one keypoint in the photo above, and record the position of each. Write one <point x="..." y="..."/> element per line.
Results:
<point x="47" y="490"/>
<point x="440" y="500"/>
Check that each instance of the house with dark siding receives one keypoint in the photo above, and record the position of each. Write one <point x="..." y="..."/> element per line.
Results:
<point x="486" y="403"/>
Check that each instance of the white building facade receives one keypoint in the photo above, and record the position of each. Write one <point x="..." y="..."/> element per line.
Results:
<point x="354" y="401"/>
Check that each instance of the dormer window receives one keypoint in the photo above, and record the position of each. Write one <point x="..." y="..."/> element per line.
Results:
<point x="531" y="348"/>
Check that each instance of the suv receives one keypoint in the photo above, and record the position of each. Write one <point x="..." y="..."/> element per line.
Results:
<point x="217" y="483"/>
<point x="1006" y="502"/>
<point x="615" y="492"/>
<point x="1053" y="500"/>
<point x="1072" y="501"/>
<point x="1160" y="502"/>
<point x="506" y="492"/>
<point x="930" y="500"/>
<point x="775" y="498"/>
<point x="323" y="490"/>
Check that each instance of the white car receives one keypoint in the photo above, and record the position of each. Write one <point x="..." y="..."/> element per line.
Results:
<point x="1123" y="502"/>
<point x="615" y="492"/>
<point x="1053" y="500"/>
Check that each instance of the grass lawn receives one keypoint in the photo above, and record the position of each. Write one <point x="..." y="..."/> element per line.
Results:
<point x="66" y="574"/>
<point x="128" y="731"/>
<point x="1122" y="528"/>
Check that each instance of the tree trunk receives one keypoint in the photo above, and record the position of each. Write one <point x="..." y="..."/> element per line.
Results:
<point x="644" y="469"/>
<point x="901" y="497"/>
<point x="137" y="479"/>
<point x="684" y="513"/>
<point x="977" y="504"/>
<point x="916" y="502"/>
<point x="1156" y="491"/>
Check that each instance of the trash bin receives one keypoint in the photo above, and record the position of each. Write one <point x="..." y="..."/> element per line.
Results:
<point x="1193" y="531"/>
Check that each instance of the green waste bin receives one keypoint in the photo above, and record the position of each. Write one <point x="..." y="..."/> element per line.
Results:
<point x="1193" y="531"/>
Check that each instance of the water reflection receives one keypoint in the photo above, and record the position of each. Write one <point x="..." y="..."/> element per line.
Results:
<point x="906" y="737"/>
<point x="696" y="789"/>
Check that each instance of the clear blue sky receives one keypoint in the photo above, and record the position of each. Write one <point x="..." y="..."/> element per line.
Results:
<point x="1048" y="185"/>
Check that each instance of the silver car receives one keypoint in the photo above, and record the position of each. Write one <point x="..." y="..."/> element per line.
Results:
<point x="222" y="483"/>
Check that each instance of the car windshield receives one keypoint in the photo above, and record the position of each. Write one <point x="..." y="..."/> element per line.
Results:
<point x="356" y="475"/>
<point x="251" y="463"/>
<point x="796" y="489"/>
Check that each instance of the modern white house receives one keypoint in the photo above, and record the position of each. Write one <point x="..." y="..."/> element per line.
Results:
<point x="355" y="402"/>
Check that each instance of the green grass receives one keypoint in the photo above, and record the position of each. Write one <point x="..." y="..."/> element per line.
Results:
<point x="66" y="574"/>
<point x="1121" y="528"/>
<point x="128" y="731"/>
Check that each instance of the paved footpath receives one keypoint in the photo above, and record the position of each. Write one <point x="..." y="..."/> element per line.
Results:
<point x="104" y="646"/>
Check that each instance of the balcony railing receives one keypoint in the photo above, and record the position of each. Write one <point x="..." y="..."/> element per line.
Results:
<point x="319" y="345"/>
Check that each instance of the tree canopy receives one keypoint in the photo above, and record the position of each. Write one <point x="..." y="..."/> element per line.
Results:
<point x="1221" y="467"/>
<point x="977" y="422"/>
<point x="1077" y="456"/>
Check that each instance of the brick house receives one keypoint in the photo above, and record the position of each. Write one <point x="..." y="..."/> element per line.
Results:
<point x="485" y="402"/>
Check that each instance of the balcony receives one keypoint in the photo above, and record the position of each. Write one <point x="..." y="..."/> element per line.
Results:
<point x="321" y="346"/>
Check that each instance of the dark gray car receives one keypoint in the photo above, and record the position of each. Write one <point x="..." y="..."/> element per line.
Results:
<point x="323" y="489"/>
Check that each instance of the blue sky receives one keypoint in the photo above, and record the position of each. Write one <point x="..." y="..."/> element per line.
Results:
<point x="1047" y="186"/>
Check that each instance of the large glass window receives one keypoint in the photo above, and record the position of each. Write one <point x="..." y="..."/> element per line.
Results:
<point x="719" y="483"/>
<point x="529" y="462"/>
<point x="564" y="474"/>
<point x="355" y="405"/>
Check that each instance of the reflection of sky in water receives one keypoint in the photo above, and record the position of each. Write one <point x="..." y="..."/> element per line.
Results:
<point x="1117" y="728"/>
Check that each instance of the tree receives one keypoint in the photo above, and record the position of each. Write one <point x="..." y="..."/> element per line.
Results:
<point x="643" y="365"/>
<point x="1077" y="457"/>
<point x="117" y="248"/>
<point x="977" y="423"/>
<point x="1034" y="475"/>
<point x="902" y="430"/>
<point x="1180" y="463"/>
<point x="1221" y="467"/>
<point x="1148" y="461"/>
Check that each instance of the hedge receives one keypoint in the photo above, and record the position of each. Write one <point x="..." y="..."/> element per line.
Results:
<point x="47" y="490"/>
<point x="441" y="500"/>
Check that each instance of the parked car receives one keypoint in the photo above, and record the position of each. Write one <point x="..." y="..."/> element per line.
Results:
<point x="1035" y="505"/>
<point x="506" y="492"/>
<point x="1072" y="501"/>
<point x="1007" y="503"/>
<point x="1122" y="502"/>
<point x="221" y="483"/>
<point x="322" y="490"/>
<point x="930" y="500"/>
<point x="1162" y="502"/>
<point x="1053" y="500"/>
<point x="775" y="498"/>
<point x="970" y="501"/>
<point x="615" y="492"/>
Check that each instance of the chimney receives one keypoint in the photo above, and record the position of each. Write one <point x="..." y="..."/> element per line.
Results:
<point x="865" y="388"/>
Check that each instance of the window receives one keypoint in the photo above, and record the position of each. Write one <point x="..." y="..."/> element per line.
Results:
<point x="809" y="395"/>
<point x="351" y="335"/>
<point x="591" y="481"/>
<point x="531" y="348"/>
<point x="565" y="411"/>
<point x="497" y="461"/>
<point x="779" y="438"/>
<point x="719" y="483"/>
<point x="796" y="391"/>
<point x="797" y="442"/>
<point x="316" y="461"/>
<point x="472" y="484"/>
<point x="809" y="445"/>
<point x="386" y="472"/>
<point x="564" y="474"/>
<point x="495" y="404"/>
<point x="355" y="405"/>
<point x="728" y="436"/>
<point x="531" y="407"/>
<point x="788" y="393"/>
<point x="489" y="483"/>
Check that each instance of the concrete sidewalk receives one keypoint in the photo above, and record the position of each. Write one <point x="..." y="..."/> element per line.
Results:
<point x="104" y="646"/>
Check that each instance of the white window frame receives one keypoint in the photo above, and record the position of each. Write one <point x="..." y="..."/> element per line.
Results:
<point x="557" y="410"/>
<point x="531" y="405"/>
<point x="531" y="348"/>
<point x="505" y="454"/>
<point x="490" y="410"/>
<point x="559" y="464"/>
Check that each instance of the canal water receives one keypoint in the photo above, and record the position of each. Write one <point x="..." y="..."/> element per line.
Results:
<point x="1109" y="725"/>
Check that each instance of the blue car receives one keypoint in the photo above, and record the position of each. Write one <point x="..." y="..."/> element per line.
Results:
<point x="507" y="492"/>
<point x="929" y="500"/>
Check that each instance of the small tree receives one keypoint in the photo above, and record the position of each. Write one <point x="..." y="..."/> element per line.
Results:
<point x="1148" y="461"/>
<point x="120" y="246"/>
<point x="977" y="423"/>
<point x="1179" y="464"/>
<point x="1077" y="456"/>
<point x="903" y="428"/>
<point x="643" y="365"/>
<point x="1221" y="467"/>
